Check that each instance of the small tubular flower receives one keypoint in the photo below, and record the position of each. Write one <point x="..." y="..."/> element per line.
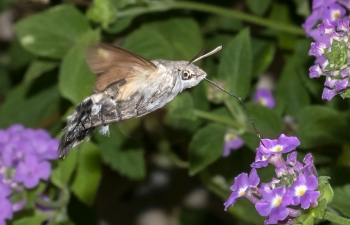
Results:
<point x="241" y="187"/>
<point x="283" y="198"/>
<point x="274" y="204"/>
<point x="264" y="97"/>
<point x="303" y="191"/>
<point x="23" y="160"/>
<point x="332" y="58"/>
<point x="232" y="142"/>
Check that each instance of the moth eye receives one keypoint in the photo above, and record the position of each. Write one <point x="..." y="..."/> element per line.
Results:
<point x="186" y="75"/>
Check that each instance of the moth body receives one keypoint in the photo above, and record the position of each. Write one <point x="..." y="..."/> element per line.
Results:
<point x="128" y="97"/>
<point x="129" y="86"/>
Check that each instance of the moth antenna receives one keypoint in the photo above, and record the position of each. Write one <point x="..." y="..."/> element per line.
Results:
<point x="206" y="55"/>
<point x="200" y="55"/>
<point x="240" y="100"/>
<point x="197" y="56"/>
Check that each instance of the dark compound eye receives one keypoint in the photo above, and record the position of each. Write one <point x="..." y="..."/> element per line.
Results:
<point x="186" y="75"/>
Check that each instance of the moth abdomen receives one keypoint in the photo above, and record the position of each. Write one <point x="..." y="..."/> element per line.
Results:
<point x="96" y="110"/>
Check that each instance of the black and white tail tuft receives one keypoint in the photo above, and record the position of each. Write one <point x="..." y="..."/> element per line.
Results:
<point x="78" y="127"/>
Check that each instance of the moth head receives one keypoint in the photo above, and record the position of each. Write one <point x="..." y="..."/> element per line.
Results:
<point x="191" y="74"/>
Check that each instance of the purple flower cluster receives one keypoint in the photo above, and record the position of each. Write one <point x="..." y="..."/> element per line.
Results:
<point x="232" y="142"/>
<point x="332" y="58"/>
<point x="284" y="198"/>
<point x="23" y="162"/>
<point x="264" y="97"/>
<point x="331" y="10"/>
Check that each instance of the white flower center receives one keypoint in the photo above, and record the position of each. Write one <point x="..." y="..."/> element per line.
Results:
<point x="277" y="148"/>
<point x="335" y="14"/>
<point x="262" y="101"/>
<point x="300" y="190"/>
<point x="277" y="201"/>
<point x="229" y="137"/>
<point x="241" y="191"/>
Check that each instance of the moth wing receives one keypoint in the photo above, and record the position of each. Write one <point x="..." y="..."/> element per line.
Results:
<point x="113" y="63"/>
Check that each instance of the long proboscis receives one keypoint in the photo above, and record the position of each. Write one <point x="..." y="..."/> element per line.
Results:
<point x="242" y="103"/>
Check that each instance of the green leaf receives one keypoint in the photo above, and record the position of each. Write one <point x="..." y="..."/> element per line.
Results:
<point x="53" y="32"/>
<point x="263" y="54"/>
<point x="38" y="67"/>
<point x="4" y="4"/>
<point x="119" y="4"/>
<point x="63" y="169"/>
<point x="88" y="175"/>
<point x="29" y="110"/>
<point x="36" y="218"/>
<point x="149" y="43"/>
<point x="119" y="25"/>
<point x="346" y="94"/>
<point x="319" y="125"/>
<point x="325" y="188"/>
<point x="326" y="196"/>
<point x="19" y="57"/>
<point x="303" y="7"/>
<point x="235" y="66"/>
<point x="251" y="140"/>
<point x="265" y="119"/>
<point x="205" y="147"/>
<point x="200" y="95"/>
<point x="32" y="194"/>
<point x="102" y="11"/>
<point x="5" y="82"/>
<point x="173" y="39"/>
<point x="180" y="112"/>
<point x="291" y="90"/>
<point x="341" y="201"/>
<point x="319" y="211"/>
<point x="305" y="219"/>
<point x="344" y="157"/>
<point x="184" y="35"/>
<point x="75" y="78"/>
<point x="257" y="6"/>
<point x="122" y="155"/>
<point x="218" y="22"/>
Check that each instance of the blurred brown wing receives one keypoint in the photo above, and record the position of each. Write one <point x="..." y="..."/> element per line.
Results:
<point x="113" y="63"/>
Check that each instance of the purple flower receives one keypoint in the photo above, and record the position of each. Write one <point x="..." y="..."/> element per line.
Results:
<point x="274" y="204"/>
<point x="19" y="205"/>
<point x="303" y="191"/>
<point x="333" y="13"/>
<point x="241" y="187"/>
<point x="291" y="159"/>
<point x="5" y="210"/>
<point x="309" y="168"/>
<point x="264" y="97"/>
<point x="45" y="149"/>
<point x="231" y="142"/>
<point x="332" y="58"/>
<point x="5" y="191"/>
<point x="269" y="151"/>
<point x="283" y="144"/>
<point x="317" y="48"/>
<point x="332" y="10"/>
<point x="315" y="71"/>
<point x="260" y="160"/>
<point x="30" y="171"/>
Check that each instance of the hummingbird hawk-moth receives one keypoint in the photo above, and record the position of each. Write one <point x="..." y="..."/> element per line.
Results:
<point x="127" y="86"/>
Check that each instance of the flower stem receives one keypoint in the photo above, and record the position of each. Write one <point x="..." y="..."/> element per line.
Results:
<point x="64" y="198"/>
<point x="208" y="8"/>
<point x="336" y="219"/>
<point x="216" y="118"/>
